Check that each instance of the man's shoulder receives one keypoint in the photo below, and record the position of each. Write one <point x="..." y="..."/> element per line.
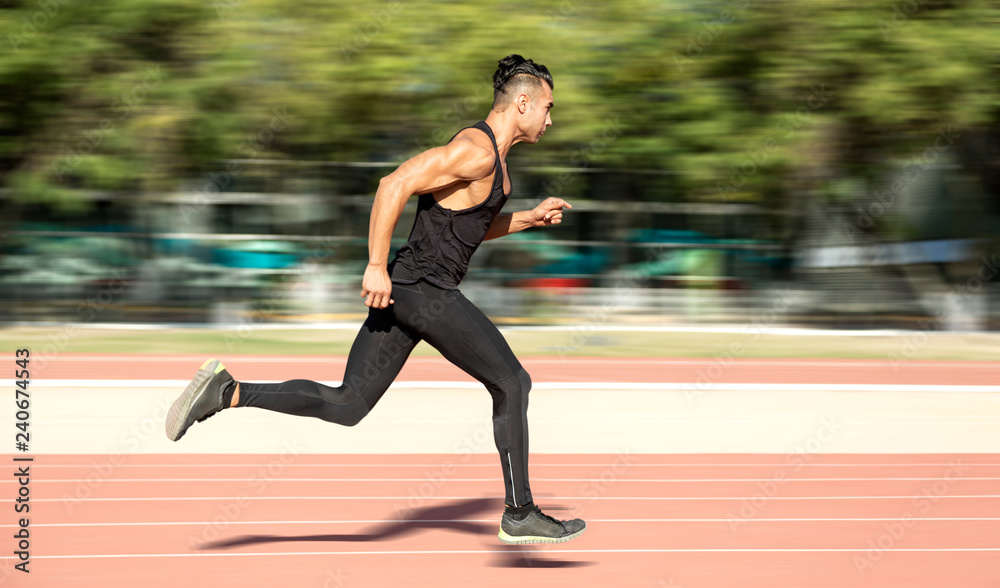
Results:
<point x="474" y="139"/>
<point x="474" y="147"/>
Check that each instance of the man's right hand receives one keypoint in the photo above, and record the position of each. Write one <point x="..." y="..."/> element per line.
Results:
<point x="376" y="287"/>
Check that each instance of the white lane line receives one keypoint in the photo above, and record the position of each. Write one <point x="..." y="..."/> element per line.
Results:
<point x="648" y="480"/>
<point x="500" y="549"/>
<point x="728" y="329"/>
<point x="760" y="421"/>
<point x="751" y="363"/>
<point x="198" y="498"/>
<point x="493" y="465"/>
<point x="589" y="520"/>
<point x="540" y="360"/>
<point x="639" y="386"/>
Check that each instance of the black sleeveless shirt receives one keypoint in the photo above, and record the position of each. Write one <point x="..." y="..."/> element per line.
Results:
<point x="442" y="241"/>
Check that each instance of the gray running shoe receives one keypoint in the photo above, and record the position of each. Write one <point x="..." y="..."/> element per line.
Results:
<point x="201" y="399"/>
<point x="538" y="527"/>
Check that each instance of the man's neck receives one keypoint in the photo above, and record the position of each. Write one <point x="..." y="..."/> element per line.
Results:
<point x="503" y="131"/>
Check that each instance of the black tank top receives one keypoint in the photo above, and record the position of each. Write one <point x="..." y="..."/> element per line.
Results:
<point x="442" y="241"/>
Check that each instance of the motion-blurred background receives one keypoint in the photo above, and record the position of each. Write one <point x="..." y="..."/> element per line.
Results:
<point x="826" y="162"/>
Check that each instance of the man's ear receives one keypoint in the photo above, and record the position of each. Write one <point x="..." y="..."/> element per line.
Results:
<point x="522" y="103"/>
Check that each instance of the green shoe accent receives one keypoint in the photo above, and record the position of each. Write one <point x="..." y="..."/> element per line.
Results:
<point x="218" y="368"/>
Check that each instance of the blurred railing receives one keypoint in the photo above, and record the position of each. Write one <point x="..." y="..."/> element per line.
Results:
<point x="203" y="256"/>
<point x="194" y="277"/>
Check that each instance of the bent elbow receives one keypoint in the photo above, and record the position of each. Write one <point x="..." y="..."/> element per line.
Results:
<point x="393" y="186"/>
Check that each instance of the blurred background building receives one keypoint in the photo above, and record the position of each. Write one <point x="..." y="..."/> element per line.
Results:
<point x="820" y="162"/>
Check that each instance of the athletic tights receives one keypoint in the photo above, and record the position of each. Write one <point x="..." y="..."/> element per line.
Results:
<point x="452" y="325"/>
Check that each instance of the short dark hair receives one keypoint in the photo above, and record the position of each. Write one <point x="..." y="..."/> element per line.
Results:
<point x="515" y="75"/>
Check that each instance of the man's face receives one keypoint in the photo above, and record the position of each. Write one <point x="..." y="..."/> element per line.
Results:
<point x="538" y="117"/>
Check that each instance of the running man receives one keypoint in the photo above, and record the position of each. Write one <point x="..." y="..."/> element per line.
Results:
<point x="462" y="186"/>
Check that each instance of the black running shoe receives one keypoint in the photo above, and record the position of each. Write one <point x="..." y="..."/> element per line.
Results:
<point x="201" y="399"/>
<point x="538" y="527"/>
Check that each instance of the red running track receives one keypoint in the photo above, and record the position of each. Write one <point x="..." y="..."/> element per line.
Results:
<point x="431" y="520"/>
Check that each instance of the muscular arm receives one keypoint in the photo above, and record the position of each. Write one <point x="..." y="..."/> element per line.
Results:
<point x="462" y="160"/>
<point x="549" y="212"/>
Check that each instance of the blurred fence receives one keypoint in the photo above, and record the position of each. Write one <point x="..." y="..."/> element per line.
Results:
<point x="232" y="256"/>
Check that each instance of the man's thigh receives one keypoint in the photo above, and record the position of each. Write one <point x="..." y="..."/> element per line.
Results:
<point x="466" y="337"/>
<point x="378" y="354"/>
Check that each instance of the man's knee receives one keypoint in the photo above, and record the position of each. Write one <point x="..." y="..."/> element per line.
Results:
<point x="524" y="380"/>
<point x="347" y="413"/>
<point x="354" y="413"/>
<point x="518" y="384"/>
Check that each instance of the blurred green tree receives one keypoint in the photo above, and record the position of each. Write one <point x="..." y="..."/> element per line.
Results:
<point x="740" y="100"/>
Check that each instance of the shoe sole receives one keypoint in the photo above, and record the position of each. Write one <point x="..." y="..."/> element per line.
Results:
<point x="180" y="410"/>
<point x="532" y="539"/>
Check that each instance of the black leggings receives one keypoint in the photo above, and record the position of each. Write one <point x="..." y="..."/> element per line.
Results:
<point x="452" y="325"/>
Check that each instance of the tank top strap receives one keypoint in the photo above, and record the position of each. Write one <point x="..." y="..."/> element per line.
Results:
<point x="498" y="175"/>
<point x="482" y="126"/>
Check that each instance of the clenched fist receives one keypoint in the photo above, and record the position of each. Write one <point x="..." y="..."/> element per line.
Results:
<point x="376" y="287"/>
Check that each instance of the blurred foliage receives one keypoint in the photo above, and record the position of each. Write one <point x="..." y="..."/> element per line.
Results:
<point x="146" y="94"/>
